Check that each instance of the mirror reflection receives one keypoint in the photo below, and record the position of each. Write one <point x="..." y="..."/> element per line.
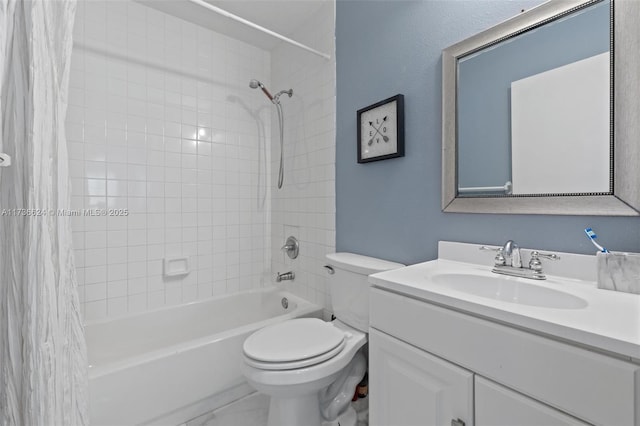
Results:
<point x="534" y="110"/>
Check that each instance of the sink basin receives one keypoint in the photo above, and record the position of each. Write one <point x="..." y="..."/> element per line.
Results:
<point x="511" y="290"/>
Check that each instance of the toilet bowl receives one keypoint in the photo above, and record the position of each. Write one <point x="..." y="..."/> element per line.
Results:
<point x="310" y="367"/>
<point x="296" y="360"/>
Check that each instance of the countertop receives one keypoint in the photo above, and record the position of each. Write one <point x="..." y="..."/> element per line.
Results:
<point x="610" y="322"/>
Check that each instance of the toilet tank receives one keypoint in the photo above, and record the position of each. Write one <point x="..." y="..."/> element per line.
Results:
<point x="349" y="286"/>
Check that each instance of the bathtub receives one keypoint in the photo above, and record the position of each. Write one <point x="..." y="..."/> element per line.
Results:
<point x="170" y="365"/>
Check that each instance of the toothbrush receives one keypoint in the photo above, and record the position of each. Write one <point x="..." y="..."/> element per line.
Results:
<point x="592" y="236"/>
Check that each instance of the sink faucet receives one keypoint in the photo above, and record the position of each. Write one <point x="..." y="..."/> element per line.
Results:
<point x="511" y="253"/>
<point x="508" y="261"/>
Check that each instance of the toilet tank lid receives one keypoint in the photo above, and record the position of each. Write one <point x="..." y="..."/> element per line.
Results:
<point x="360" y="264"/>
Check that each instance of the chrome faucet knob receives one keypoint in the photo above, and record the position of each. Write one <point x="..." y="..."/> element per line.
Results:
<point x="550" y="256"/>
<point x="499" y="260"/>
<point x="291" y="247"/>
<point x="535" y="263"/>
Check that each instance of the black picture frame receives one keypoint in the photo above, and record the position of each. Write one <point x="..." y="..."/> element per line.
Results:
<point x="399" y="99"/>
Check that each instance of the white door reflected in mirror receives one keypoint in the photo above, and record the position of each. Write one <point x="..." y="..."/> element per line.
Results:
<point x="560" y="129"/>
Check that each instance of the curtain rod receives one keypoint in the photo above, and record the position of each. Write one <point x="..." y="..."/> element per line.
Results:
<point x="257" y="27"/>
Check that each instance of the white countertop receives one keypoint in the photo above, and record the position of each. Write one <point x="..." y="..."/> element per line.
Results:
<point x="610" y="321"/>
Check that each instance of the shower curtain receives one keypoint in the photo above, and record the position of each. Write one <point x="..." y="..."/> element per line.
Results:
<point x="43" y="376"/>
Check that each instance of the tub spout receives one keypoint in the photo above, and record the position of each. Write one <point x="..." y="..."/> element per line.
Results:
<point x="285" y="276"/>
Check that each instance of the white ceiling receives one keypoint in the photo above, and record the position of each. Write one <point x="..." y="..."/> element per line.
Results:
<point x="281" y="16"/>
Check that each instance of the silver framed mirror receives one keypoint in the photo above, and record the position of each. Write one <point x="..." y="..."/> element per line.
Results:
<point x="521" y="188"/>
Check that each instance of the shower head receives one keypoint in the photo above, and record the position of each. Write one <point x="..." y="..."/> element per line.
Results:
<point x="254" y="84"/>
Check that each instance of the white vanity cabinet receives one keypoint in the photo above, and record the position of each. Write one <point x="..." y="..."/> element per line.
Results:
<point x="410" y="387"/>
<point x="496" y="405"/>
<point x="430" y="365"/>
<point x="414" y="387"/>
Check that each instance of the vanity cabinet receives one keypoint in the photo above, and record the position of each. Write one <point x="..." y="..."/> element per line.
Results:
<point x="411" y="387"/>
<point x="414" y="387"/>
<point x="430" y="365"/>
<point x="496" y="405"/>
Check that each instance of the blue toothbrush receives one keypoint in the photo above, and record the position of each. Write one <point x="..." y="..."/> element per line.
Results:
<point x="592" y="236"/>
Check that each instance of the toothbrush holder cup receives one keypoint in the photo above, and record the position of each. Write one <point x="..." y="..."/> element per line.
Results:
<point x="619" y="271"/>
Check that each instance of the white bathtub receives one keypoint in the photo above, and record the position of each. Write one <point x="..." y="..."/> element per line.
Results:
<point x="166" y="365"/>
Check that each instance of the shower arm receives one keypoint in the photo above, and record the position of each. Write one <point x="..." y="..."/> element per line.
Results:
<point x="282" y="92"/>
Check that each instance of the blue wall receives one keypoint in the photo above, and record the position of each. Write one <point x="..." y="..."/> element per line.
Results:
<point x="391" y="209"/>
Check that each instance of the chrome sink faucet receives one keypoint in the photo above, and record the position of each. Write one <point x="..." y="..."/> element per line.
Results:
<point x="508" y="261"/>
<point x="511" y="253"/>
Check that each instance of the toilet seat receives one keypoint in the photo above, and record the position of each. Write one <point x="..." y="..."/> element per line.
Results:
<point x="293" y="344"/>
<point x="263" y="379"/>
<point x="296" y="364"/>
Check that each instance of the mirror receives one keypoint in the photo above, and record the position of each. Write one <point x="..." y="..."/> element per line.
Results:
<point x="535" y="118"/>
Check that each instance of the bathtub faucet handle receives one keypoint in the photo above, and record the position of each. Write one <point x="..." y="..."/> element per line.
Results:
<point x="291" y="247"/>
<point x="285" y="276"/>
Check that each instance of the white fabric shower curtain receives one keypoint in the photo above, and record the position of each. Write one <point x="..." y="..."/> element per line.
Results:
<point x="43" y="363"/>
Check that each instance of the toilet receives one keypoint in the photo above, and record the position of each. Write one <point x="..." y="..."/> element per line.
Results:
<point x="310" y="367"/>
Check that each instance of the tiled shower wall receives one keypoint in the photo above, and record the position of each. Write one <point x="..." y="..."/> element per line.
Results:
<point x="305" y="206"/>
<point x="162" y="123"/>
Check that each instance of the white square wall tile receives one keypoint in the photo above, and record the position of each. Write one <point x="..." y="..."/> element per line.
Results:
<point x="140" y="137"/>
<point x="95" y="274"/>
<point x="156" y="299"/>
<point x="137" y="302"/>
<point x="95" y="292"/>
<point x="95" y="257"/>
<point x="137" y="286"/>
<point x="116" y="289"/>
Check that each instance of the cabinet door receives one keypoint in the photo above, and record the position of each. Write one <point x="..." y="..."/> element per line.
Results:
<point x="409" y="387"/>
<point x="499" y="406"/>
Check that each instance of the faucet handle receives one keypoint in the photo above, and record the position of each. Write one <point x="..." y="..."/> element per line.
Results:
<point x="535" y="263"/>
<point x="291" y="247"/>
<point x="499" y="260"/>
<point x="551" y="256"/>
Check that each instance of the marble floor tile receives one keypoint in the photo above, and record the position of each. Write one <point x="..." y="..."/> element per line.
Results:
<point x="248" y="411"/>
<point x="253" y="410"/>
